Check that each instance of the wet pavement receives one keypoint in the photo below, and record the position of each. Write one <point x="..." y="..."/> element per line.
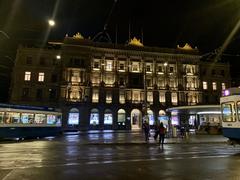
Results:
<point x="137" y="137"/>
<point x="119" y="155"/>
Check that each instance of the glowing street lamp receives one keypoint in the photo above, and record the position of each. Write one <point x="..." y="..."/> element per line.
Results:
<point x="51" y="22"/>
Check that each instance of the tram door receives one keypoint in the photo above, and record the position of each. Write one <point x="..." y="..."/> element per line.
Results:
<point x="136" y="119"/>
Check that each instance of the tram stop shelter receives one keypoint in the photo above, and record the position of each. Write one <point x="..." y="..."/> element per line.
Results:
<point x="197" y="118"/>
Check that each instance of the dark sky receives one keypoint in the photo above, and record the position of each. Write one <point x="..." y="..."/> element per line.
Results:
<point x="165" y="23"/>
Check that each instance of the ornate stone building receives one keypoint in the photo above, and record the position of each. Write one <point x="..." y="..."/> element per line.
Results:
<point x="109" y="86"/>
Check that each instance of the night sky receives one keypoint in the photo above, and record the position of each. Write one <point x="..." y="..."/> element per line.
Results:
<point x="165" y="23"/>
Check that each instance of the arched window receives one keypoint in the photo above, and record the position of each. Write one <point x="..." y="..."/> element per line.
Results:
<point x="108" y="119"/>
<point x="94" y="117"/>
<point x="121" y="116"/>
<point x="73" y="116"/>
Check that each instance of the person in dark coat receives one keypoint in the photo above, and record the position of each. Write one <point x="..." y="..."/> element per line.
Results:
<point x="146" y="129"/>
<point x="162" y="132"/>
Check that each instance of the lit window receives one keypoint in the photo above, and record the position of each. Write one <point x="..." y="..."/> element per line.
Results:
<point x="148" y="69"/>
<point x="27" y="76"/>
<point x="135" y="67"/>
<point x="174" y="98"/>
<point x="205" y="85"/>
<point x="214" y="86"/>
<point x="75" y="76"/>
<point x="160" y="70"/>
<point x="162" y="97"/>
<point x="108" y="97"/>
<point x="95" y="95"/>
<point x="109" y="66"/>
<point x="121" y="97"/>
<point x="96" y="65"/>
<point x="121" y="66"/>
<point x="223" y="86"/>
<point x="150" y="97"/>
<point x="41" y="77"/>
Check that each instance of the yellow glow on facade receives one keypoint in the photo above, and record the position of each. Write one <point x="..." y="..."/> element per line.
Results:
<point x="78" y="36"/>
<point x="135" y="42"/>
<point x="186" y="47"/>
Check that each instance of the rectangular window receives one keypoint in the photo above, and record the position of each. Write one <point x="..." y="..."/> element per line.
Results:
<point x="214" y="86"/>
<point x="95" y="95"/>
<point x="238" y="110"/>
<point x="213" y="72"/>
<point x="162" y="98"/>
<point x="174" y="98"/>
<point x="228" y="112"/>
<point x="27" y="76"/>
<point x="25" y="92"/>
<point x="27" y="118"/>
<point x="40" y="119"/>
<point x="135" y="67"/>
<point x="160" y="70"/>
<point x="150" y="97"/>
<point x="12" y="117"/>
<point x="96" y="65"/>
<point x="42" y="61"/>
<point x="108" y="97"/>
<point x="205" y="85"/>
<point x="39" y="94"/>
<point x="171" y="69"/>
<point x="121" y="81"/>
<point x="1" y="117"/>
<point x="121" y="66"/>
<point x="223" y="86"/>
<point x="75" y="76"/>
<point x="148" y="68"/>
<point x="52" y="94"/>
<point x="54" y="78"/>
<point x="109" y="66"/>
<point x="121" y="97"/>
<point x="41" y="77"/>
<point x="29" y="60"/>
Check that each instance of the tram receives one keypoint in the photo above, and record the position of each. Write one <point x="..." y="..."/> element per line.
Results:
<point x="230" y="110"/>
<point x="19" y="121"/>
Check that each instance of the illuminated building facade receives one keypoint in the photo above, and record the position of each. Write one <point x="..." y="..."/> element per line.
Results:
<point x="108" y="86"/>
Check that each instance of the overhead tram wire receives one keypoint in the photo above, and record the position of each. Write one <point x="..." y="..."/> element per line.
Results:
<point x="103" y="34"/>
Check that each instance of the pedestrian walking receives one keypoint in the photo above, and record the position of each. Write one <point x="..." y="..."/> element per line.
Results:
<point x="162" y="132"/>
<point x="146" y="129"/>
<point x="156" y="129"/>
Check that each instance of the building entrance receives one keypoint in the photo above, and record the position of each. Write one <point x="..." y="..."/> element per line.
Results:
<point x="136" y="119"/>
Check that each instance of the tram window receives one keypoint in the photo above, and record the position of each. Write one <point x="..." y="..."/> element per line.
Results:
<point x="1" y="117"/>
<point x="228" y="112"/>
<point x="40" y="119"/>
<point x="27" y="118"/>
<point x="238" y="110"/>
<point x="12" y="117"/>
<point x="51" y="119"/>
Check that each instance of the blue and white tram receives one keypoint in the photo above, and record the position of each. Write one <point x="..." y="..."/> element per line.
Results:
<point x="230" y="110"/>
<point x="18" y="121"/>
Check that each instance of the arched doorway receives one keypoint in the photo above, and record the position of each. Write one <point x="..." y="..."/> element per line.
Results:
<point x="136" y="119"/>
